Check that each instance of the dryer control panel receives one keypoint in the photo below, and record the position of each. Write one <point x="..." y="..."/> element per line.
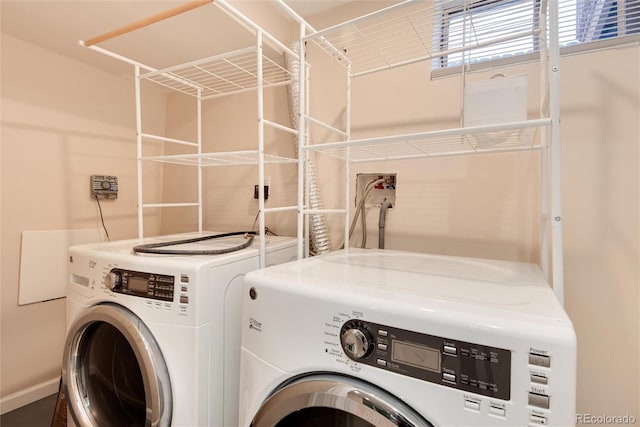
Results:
<point x="147" y="285"/>
<point x="466" y="366"/>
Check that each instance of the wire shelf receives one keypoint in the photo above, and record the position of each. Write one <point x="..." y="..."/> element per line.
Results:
<point x="417" y="30"/>
<point x="516" y="136"/>
<point x="221" y="75"/>
<point x="235" y="158"/>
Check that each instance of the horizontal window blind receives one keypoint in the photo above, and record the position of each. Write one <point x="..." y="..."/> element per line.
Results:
<point x="507" y="31"/>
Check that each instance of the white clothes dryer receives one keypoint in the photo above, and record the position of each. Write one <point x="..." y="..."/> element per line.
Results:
<point x="153" y="340"/>
<point x="387" y="338"/>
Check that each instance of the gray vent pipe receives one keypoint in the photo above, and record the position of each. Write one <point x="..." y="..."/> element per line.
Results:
<point x="318" y="228"/>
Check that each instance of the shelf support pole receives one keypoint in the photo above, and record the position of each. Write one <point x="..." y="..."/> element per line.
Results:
<point x="302" y="156"/>
<point x="139" y="151"/>
<point x="260" y="96"/>
<point x="347" y="162"/>
<point x="557" y="260"/>
<point x="199" y="139"/>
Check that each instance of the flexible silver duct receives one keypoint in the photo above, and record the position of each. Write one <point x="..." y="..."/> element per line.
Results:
<point x="318" y="228"/>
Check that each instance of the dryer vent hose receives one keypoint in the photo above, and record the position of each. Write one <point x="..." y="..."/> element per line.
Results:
<point x="318" y="228"/>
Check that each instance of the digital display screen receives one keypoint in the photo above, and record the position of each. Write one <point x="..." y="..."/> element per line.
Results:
<point x="138" y="284"/>
<point x="411" y="354"/>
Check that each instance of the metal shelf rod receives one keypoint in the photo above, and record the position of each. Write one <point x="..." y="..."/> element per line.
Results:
<point x="165" y="139"/>
<point x="281" y="209"/>
<point x="433" y="134"/>
<point x="326" y="126"/>
<point x="451" y="153"/>
<point x="279" y="126"/>
<point x="169" y="205"/>
<point x="236" y="92"/>
<point x="321" y="211"/>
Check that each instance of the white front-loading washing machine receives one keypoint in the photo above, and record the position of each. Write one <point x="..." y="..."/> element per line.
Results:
<point x="387" y="338"/>
<point x="153" y="340"/>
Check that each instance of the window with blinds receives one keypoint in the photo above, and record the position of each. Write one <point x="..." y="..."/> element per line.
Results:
<point x="507" y="31"/>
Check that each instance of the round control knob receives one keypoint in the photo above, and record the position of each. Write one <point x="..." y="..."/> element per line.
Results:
<point x="356" y="341"/>
<point x="113" y="280"/>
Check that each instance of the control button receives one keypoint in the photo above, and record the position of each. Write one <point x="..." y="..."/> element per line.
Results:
<point x="539" y="360"/>
<point x="382" y="332"/>
<point x="449" y="349"/>
<point x="184" y="278"/>
<point x="382" y="347"/>
<point x="449" y="377"/>
<point x="539" y="400"/>
<point x="184" y="299"/>
<point x="184" y="288"/>
<point x="538" y="419"/>
<point x="382" y="362"/>
<point x="496" y="410"/>
<point x="539" y="379"/>
<point x="472" y="404"/>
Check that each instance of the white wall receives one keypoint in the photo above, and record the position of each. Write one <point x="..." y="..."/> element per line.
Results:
<point x="62" y="121"/>
<point x="600" y="160"/>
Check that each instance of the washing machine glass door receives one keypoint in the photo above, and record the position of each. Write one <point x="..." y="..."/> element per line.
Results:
<point x="335" y="400"/>
<point x="113" y="372"/>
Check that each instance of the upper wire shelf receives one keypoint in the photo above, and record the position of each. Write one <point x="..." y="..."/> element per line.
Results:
<point x="417" y="30"/>
<point x="221" y="75"/>
<point x="515" y="136"/>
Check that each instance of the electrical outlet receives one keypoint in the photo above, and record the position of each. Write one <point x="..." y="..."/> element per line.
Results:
<point x="255" y="192"/>
<point x="385" y="188"/>
<point x="267" y="184"/>
<point x="103" y="186"/>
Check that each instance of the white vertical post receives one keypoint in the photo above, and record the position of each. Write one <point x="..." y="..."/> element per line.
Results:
<point x="544" y="144"/>
<point x="347" y="163"/>
<point x="556" y="182"/>
<point x="301" y="141"/>
<point x="139" y="151"/>
<point x="260" y="96"/>
<point x="306" y="99"/>
<point x="463" y="67"/>
<point x="199" y="141"/>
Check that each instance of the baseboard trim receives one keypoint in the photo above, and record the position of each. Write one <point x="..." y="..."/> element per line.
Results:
<point x="29" y="395"/>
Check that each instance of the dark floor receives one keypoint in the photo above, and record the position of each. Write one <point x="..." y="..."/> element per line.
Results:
<point x="37" y="414"/>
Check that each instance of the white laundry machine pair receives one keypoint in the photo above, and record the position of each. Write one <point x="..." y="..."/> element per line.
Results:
<point x="386" y="338"/>
<point x="153" y="340"/>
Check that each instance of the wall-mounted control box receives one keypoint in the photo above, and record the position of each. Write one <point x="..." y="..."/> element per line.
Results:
<point x="103" y="186"/>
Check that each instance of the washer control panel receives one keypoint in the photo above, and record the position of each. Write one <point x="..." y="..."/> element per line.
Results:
<point x="147" y="285"/>
<point x="466" y="366"/>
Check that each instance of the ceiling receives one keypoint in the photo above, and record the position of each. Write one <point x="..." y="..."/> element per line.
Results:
<point x="59" y="25"/>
